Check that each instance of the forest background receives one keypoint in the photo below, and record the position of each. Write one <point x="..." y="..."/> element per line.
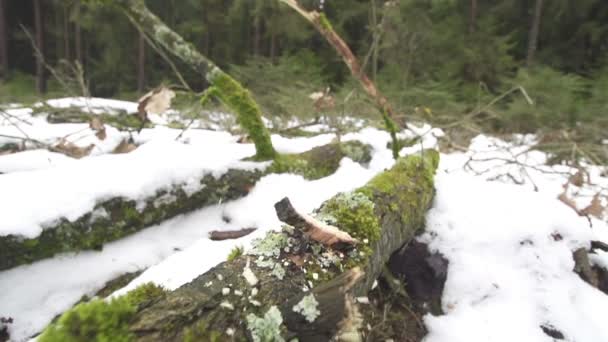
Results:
<point x="467" y="65"/>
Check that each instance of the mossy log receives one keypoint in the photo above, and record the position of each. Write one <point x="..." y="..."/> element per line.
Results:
<point x="265" y="295"/>
<point x="116" y="218"/>
<point x="119" y="119"/>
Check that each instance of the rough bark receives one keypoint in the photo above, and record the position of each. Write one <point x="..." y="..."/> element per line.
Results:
<point x="3" y="41"/>
<point x="77" y="33"/>
<point x="221" y="298"/>
<point x="473" y="17"/>
<point x="534" y="31"/>
<point x="116" y="218"/>
<point x="226" y="88"/>
<point x="141" y="63"/>
<point x="40" y="70"/>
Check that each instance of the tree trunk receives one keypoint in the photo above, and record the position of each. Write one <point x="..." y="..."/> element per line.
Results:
<point x="376" y="47"/>
<point x="141" y="63"/>
<point x="224" y="297"/>
<point x="3" y="41"/>
<point x="223" y="86"/>
<point x="257" y="35"/>
<point x="123" y="217"/>
<point x="66" y="32"/>
<point x="534" y="31"/>
<point x="40" y="70"/>
<point x="78" y="34"/>
<point x="473" y="17"/>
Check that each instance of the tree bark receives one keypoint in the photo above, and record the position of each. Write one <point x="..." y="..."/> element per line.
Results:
<point x="141" y="63"/>
<point x="123" y="217"/>
<point x="223" y="86"/>
<point x="66" y="32"/>
<point x="40" y="70"/>
<point x="473" y="17"/>
<point x="203" y="308"/>
<point x="534" y="32"/>
<point x="78" y="34"/>
<point x="3" y="41"/>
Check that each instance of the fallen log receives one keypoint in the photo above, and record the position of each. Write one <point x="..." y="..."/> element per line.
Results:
<point x="288" y="286"/>
<point x="115" y="218"/>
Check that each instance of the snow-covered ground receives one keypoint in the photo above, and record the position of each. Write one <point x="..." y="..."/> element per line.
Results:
<point x="508" y="273"/>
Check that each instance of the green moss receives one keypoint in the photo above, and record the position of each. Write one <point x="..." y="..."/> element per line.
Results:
<point x="324" y="22"/>
<point x="100" y="320"/>
<point x="202" y="332"/>
<point x="352" y="212"/>
<point x="401" y="186"/>
<point x="321" y="161"/>
<point x="392" y="129"/>
<point x="93" y="321"/>
<point x="248" y="113"/>
<point x="236" y="252"/>
<point x="145" y="293"/>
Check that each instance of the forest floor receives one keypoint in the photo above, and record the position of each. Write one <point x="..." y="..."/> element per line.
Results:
<point x="507" y="222"/>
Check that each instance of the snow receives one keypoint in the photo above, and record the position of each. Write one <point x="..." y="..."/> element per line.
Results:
<point x="507" y="275"/>
<point x="496" y="218"/>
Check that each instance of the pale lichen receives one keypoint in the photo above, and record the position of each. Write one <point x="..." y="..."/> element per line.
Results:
<point x="267" y="328"/>
<point x="308" y="307"/>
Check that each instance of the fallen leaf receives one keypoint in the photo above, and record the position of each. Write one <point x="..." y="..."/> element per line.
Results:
<point x="72" y="150"/>
<point x="124" y="147"/>
<point x="97" y="125"/>
<point x="155" y="101"/>
<point x="568" y="201"/>
<point x="595" y="208"/>
<point x="577" y="179"/>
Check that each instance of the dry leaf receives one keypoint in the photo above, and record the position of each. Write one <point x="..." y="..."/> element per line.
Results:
<point x="577" y="179"/>
<point x="568" y="201"/>
<point x="595" y="208"/>
<point x="72" y="150"/>
<point x="97" y="125"/>
<point x="124" y="147"/>
<point x="156" y="101"/>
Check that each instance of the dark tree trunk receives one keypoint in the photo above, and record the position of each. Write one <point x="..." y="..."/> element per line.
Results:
<point x="273" y="46"/>
<point x="66" y="32"/>
<point x="3" y="42"/>
<point x="40" y="72"/>
<point x="534" y="31"/>
<point x="141" y="63"/>
<point x="78" y="34"/>
<point x="473" y="17"/>
<point x="257" y="33"/>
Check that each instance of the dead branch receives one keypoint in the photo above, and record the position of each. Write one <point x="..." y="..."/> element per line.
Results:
<point x="219" y="235"/>
<point x="311" y="227"/>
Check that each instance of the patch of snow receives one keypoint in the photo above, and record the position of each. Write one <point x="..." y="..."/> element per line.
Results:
<point x="96" y="105"/>
<point x="507" y="275"/>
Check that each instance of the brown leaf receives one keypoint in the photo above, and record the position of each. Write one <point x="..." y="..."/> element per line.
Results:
<point x="595" y="208"/>
<point x="577" y="179"/>
<point x="97" y="125"/>
<point x="155" y="101"/>
<point x="72" y="150"/>
<point x="568" y="201"/>
<point x="124" y="147"/>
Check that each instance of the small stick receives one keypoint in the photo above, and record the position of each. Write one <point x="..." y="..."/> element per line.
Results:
<point x="219" y="235"/>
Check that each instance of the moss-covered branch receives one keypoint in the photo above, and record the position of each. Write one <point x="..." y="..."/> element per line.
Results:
<point x="288" y="287"/>
<point x="118" y="217"/>
<point x="226" y="88"/>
